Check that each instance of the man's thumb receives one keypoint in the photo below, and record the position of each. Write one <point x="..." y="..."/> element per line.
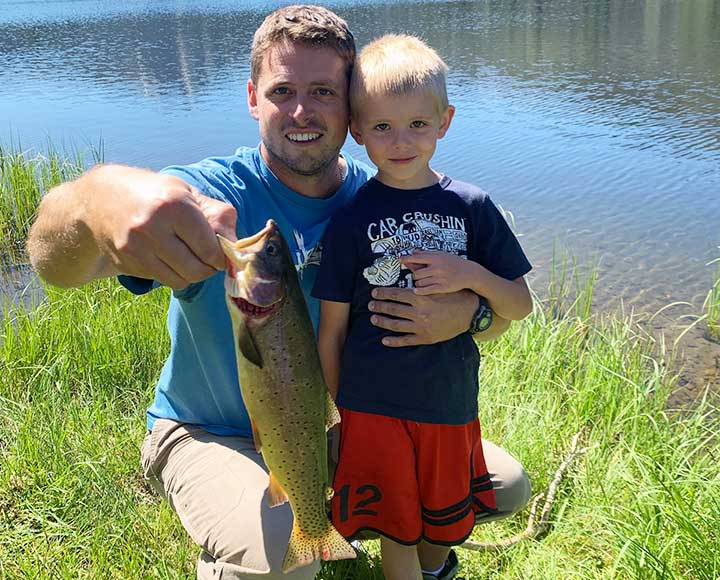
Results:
<point x="221" y="216"/>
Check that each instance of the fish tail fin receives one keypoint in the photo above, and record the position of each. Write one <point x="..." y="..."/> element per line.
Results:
<point x="303" y="549"/>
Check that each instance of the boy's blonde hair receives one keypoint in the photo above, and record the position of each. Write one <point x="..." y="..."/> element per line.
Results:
<point x="397" y="64"/>
<point x="302" y="24"/>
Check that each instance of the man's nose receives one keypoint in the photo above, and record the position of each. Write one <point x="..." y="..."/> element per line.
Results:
<point x="302" y="110"/>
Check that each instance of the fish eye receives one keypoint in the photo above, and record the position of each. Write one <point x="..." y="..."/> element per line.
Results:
<point x="271" y="250"/>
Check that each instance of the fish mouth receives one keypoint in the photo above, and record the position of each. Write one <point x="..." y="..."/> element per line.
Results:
<point x="250" y="310"/>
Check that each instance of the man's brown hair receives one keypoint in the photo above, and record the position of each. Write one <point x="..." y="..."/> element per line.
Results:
<point x="302" y="24"/>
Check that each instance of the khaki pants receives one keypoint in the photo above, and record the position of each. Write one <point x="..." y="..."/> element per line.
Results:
<point x="217" y="487"/>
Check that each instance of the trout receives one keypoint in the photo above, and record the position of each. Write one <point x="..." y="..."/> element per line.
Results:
<point x="282" y="385"/>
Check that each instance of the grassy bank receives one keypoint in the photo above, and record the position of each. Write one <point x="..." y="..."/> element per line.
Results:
<point x="77" y="373"/>
<point x="24" y="176"/>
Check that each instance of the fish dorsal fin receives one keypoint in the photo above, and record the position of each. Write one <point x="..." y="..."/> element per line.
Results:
<point x="332" y="416"/>
<point x="276" y="494"/>
<point x="256" y="436"/>
<point x="246" y="345"/>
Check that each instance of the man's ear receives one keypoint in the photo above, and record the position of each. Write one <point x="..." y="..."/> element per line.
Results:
<point x="252" y="100"/>
<point x="355" y="132"/>
<point x="445" y="121"/>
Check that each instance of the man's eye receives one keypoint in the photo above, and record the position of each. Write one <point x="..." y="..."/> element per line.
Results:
<point x="324" y="92"/>
<point x="281" y="91"/>
<point x="382" y="127"/>
<point x="418" y="124"/>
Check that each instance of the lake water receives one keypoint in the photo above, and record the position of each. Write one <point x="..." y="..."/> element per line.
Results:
<point x="596" y="123"/>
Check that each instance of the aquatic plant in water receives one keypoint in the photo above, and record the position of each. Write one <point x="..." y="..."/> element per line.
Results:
<point x="711" y="307"/>
<point x="24" y="177"/>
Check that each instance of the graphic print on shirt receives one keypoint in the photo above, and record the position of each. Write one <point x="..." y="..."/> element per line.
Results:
<point x="392" y="238"/>
<point x="305" y="257"/>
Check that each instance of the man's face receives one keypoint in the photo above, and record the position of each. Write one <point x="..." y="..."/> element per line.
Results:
<point x="301" y="103"/>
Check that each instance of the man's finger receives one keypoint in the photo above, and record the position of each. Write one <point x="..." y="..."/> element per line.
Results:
<point x="392" y="308"/>
<point x="165" y="274"/>
<point x="221" y="216"/>
<point x="195" y="233"/>
<point x="403" y="340"/>
<point x="184" y="261"/>
<point x="403" y="295"/>
<point x="393" y="324"/>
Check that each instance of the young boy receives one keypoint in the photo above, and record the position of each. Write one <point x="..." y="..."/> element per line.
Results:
<point x="411" y="464"/>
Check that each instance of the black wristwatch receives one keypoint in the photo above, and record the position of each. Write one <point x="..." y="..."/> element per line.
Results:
<point x="482" y="319"/>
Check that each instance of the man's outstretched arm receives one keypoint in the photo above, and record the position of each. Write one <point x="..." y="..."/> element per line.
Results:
<point x="123" y="220"/>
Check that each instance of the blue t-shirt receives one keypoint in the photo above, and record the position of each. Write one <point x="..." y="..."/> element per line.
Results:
<point x="199" y="382"/>
<point x="435" y="383"/>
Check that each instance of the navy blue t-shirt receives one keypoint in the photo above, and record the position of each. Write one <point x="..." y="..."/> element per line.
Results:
<point x="435" y="383"/>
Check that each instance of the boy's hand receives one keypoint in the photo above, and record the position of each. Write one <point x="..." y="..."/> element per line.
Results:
<point x="438" y="272"/>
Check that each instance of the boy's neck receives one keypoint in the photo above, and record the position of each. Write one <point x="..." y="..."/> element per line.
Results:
<point x="426" y="179"/>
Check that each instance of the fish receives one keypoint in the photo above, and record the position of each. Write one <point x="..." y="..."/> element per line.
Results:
<point x="283" y="389"/>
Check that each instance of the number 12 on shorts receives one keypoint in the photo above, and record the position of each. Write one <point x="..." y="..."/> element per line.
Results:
<point x="364" y="496"/>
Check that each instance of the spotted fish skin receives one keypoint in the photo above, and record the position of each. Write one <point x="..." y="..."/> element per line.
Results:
<point x="283" y="389"/>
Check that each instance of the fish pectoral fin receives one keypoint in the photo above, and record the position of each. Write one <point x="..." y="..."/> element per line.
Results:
<point x="276" y="494"/>
<point x="246" y="345"/>
<point x="332" y="415"/>
<point x="256" y="436"/>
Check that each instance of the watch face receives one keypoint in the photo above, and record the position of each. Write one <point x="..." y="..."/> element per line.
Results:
<point x="482" y="319"/>
<point x="485" y="320"/>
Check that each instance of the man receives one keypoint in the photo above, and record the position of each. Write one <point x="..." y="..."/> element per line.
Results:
<point x="159" y="228"/>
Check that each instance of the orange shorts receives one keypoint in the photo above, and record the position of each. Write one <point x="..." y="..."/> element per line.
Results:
<point x="409" y="481"/>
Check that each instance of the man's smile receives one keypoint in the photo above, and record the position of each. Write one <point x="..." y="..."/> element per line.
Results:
<point x="303" y="137"/>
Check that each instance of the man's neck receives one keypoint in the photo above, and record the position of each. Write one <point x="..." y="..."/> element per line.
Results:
<point x="322" y="185"/>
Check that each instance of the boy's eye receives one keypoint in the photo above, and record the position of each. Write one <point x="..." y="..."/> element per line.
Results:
<point x="382" y="127"/>
<point x="418" y="124"/>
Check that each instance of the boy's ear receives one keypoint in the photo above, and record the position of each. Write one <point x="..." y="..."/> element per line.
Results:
<point x="252" y="100"/>
<point x="356" y="133"/>
<point x="445" y="121"/>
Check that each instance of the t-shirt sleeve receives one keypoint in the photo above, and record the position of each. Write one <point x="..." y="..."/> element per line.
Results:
<point x="336" y="278"/>
<point x="496" y="246"/>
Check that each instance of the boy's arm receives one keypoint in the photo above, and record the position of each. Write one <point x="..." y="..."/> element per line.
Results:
<point x="123" y="220"/>
<point x="496" y="329"/>
<point x="440" y="272"/>
<point x="332" y="332"/>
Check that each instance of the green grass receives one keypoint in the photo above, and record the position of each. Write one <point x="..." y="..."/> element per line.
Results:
<point x="712" y="305"/>
<point x="78" y="371"/>
<point x="24" y="177"/>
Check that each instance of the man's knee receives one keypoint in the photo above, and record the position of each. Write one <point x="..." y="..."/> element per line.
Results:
<point x="209" y="568"/>
<point x="510" y="481"/>
<point x="513" y="492"/>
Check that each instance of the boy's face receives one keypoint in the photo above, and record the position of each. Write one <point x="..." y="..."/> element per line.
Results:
<point x="400" y="133"/>
<point x="301" y="102"/>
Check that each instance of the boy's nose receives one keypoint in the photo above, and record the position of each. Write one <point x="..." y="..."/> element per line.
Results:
<point x="401" y="137"/>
